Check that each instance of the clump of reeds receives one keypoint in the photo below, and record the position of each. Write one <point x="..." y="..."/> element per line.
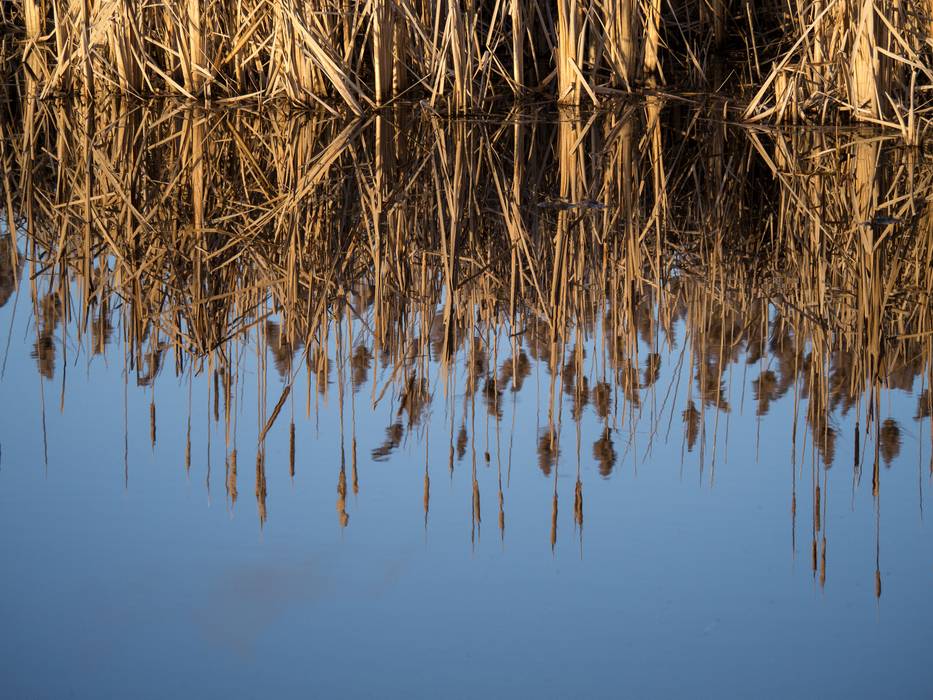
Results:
<point x="813" y="61"/>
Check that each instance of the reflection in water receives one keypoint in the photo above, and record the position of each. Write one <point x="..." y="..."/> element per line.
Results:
<point x="10" y="267"/>
<point x="617" y="268"/>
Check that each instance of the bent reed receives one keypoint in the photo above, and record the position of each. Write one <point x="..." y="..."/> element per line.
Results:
<point x="813" y="61"/>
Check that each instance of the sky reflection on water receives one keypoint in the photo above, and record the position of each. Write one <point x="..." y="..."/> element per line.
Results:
<point x="130" y="574"/>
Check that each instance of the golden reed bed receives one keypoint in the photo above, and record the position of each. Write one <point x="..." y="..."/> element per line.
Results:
<point x="775" y="60"/>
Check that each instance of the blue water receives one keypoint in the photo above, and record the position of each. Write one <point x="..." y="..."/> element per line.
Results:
<point x="127" y="575"/>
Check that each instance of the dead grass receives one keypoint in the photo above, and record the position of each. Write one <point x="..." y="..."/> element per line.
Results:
<point x="815" y="61"/>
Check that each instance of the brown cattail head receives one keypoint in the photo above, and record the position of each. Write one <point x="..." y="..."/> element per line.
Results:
<point x="342" y="517"/>
<point x="427" y="493"/>
<point x="231" y="478"/>
<point x="554" y="522"/>
<point x="291" y="450"/>
<point x="890" y="439"/>
<point x="578" y="503"/>
<point x="261" y="486"/>
<point x="816" y="509"/>
<point x="823" y="563"/>
<point x="152" y="422"/>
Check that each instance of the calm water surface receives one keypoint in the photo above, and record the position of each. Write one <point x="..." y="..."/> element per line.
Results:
<point x="519" y="519"/>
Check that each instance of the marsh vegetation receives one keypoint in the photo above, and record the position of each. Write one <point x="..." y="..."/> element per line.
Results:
<point x="449" y="284"/>
<point x="819" y="61"/>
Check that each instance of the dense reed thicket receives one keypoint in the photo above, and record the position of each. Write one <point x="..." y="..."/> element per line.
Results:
<point x="780" y="60"/>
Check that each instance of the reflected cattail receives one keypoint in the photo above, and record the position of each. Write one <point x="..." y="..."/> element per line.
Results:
<point x="578" y="503"/>
<point x="291" y="450"/>
<point x="281" y="349"/>
<point x="44" y="353"/>
<point x="602" y="399"/>
<point x="461" y="442"/>
<point x="923" y="405"/>
<point x="101" y="331"/>
<point x="231" y="478"/>
<point x="427" y="494"/>
<point x="216" y="396"/>
<point x="823" y="563"/>
<point x="604" y="453"/>
<point x="414" y="400"/>
<point x="261" y="486"/>
<point x="554" y="522"/>
<point x="322" y="371"/>
<point x="652" y="370"/>
<point x="627" y="377"/>
<point x="359" y="364"/>
<point x="816" y="509"/>
<point x="547" y="451"/>
<point x="492" y="395"/>
<point x="569" y="377"/>
<point x="342" y="517"/>
<point x="691" y="418"/>
<point x="765" y="390"/>
<point x="580" y="398"/>
<point x="152" y="423"/>
<point x="8" y="275"/>
<point x="890" y="441"/>
<point x="516" y="371"/>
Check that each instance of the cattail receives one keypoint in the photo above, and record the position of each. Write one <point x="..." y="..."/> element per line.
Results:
<point x="605" y="454"/>
<point x="152" y="423"/>
<point x="578" y="503"/>
<point x="691" y="418"/>
<point x="427" y="493"/>
<point x="823" y="563"/>
<point x="261" y="486"/>
<point x="291" y="450"/>
<point x="355" y="477"/>
<point x="554" y="522"/>
<point x="342" y="517"/>
<point x="231" y="478"/>
<point x="816" y="509"/>
<point x="461" y="443"/>
<point x="890" y="439"/>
